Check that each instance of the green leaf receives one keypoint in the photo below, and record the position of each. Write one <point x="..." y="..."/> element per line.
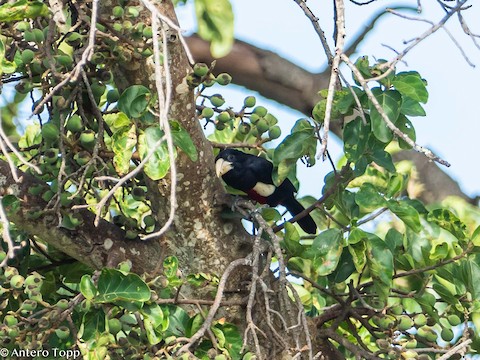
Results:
<point x="476" y="237"/>
<point x="412" y="85"/>
<point x="87" y="287"/>
<point x="301" y="142"/>
<point x="406" y="127"/>
<point x="182" y="139"/>
<point x="93" y="325"/>
<point x="300" y="264"/>
<point x="22" y="9"/>
<point x="170" y="266"/>
<point x="233" y="340"/>
<point x="113" y="285"/>
<point x="390" y="101"/>
<point x="154" y="313"/>
<point x="369" y="198"/>
<point x="134" y="101"/>
<point x="215" y="24"/>
<point x="380" y="262"/>
<point x="448" y="221"/>
<point x="407" y="213"/>
<point x="326" y="251"/>
<point x="159" y="163"/>
<point x="123" y="144"/>
<point x="355" y="136"/>
<point x="411" y="107"/>
<point x="345" y="268"/>
<point x="6" y="66"/>
<point x="292" y="240"/>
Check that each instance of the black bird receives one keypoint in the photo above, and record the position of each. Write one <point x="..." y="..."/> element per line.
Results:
<point x="253" y="175"/>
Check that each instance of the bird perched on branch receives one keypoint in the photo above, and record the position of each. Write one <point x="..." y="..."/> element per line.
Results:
<point x="253" y="175"/>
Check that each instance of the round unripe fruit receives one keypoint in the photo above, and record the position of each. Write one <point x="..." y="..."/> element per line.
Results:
<point x="387" y="322"/>
<point x="17" y="281"/>
<point x="48" y="195"/>
<point x="114" y="326"/>
<point x="87" y="138"/>
<point x="51" y="155"/>
<point x="217" y="100"/>
<point x="22" y="26"/>
<point x="74" y="39"/>
<point x="10" y="320"/>
<point x="33" y="279"/>
<point x="220" y="126"/>
<point x="98" y="89"/>
<point x="254" y="118"/>
<point x="113" y="95"/>
<point x="274" y="132"/>
<point x="200" y="69"/>
<point x="38" y="35"/>
<point x="223" y="79"/>
<point x="249" y="101"/>
<point x="262" y="126"/>
<point x="260" y="111"/>
<point x="405" y="323"/>
<point x="29" y="305"/>
<point x="62" y="332"/>
<point x="244" y="128"/>
<point x="62" y="304"/>
<point x="411" y="344"/>
<point x="420" y="320"/>
<point x="118" y="11"/>
<point x="125" y="266"/>
<point x="147" y="32"/>
<point x="50" y="133"/>
<point x="82" y="158"/>
<point x="138" y="194"/>
<point x="207" y="112"/>
<point x="427" y="333"/>
<point x="149" y="220"/>
<point x="223" y="117"/>
<point x="446" y="334"/>
<point x="131" y="234"/>
<point x="133" y="12"/>
<point x="272" y="120"/>
<point x="454" y="320"/>
<point x="27" y="56"/>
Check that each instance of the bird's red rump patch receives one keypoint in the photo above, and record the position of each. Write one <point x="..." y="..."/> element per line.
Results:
<point x="255" y="196"/>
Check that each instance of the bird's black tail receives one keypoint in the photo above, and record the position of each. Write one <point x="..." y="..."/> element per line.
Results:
<point x="295" y="208"/>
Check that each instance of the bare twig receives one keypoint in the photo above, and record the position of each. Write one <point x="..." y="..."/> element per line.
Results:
<point x="213" y="309"/>
<point x="334" y="79"/>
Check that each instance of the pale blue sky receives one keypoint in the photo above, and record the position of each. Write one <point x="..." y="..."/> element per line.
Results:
<point x="452" y="125"/>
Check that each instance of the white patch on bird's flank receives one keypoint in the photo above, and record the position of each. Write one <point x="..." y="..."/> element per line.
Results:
<point x="263" y="189"/>
<point x="222" y="167"/>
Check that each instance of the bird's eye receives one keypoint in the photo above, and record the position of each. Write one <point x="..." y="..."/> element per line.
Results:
<point x="231" y="157"/>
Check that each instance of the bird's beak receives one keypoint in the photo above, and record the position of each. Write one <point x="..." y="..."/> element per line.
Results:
<point x="222" y="166"/>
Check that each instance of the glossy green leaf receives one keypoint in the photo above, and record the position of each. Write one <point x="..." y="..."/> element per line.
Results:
<point x="87" y="287"/>
<point x="412" y="85"/>
<point x="6" y="67"/>
<point x="300" y="265"/>
<point x="406" y="127"/>
<point x="345" y="268"/>
<point x="124" y="141"/>
<point x="215" y="24"/>
<point x="411" y="107"/>
<point x="301" y="142"/>
<point x="154" y="313"/>
<point x="369" y="198"/>
<point x="291" y="240"/>
<point x="93" y="324"/>
<point x="448" y="221"/>
<point x="326" y="251"/>
<point x="407" y="213"/>
<point x="134" y="101"/>
<point x="355" y="135"/>
<point x="22" y="9"/>
<point x="113" y="285"/>
<point x="159" y="163"/>
<point x="380" y="263"/>
<point x="170" y="266"/>
<point x="182" y="139"/>
<point x="390" y="101"/>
